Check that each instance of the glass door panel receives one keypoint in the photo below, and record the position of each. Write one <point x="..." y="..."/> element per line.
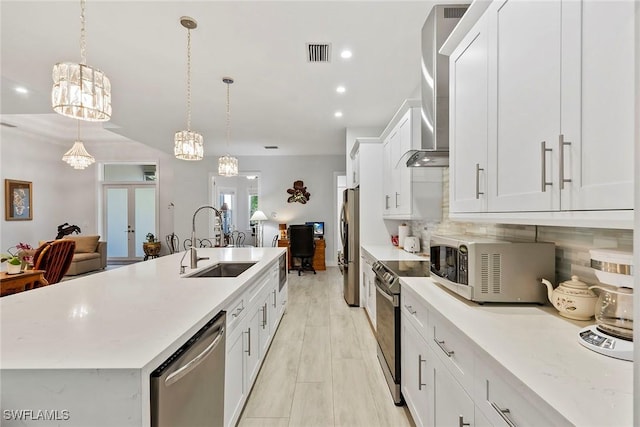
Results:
<point x="145" y="216"/>
<point x="117" y="219"/>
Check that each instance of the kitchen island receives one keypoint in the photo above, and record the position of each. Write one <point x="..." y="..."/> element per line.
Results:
<point x="83" y="349"/>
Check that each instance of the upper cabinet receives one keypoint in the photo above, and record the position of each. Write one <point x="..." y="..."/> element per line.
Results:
<point x="408" y="193"/>
<point x="546" y="91"/>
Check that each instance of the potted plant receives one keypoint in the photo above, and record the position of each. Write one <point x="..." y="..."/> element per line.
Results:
<point x="151" y="247"/>
<point x="14" y="263"/>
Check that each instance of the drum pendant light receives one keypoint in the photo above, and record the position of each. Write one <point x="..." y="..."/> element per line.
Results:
<point x="80" y="91"/>
<point x="188" y="145"/>
<point x="227" y="165"/>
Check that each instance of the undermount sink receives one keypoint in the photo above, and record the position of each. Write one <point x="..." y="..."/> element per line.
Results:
<point x="224" y="269"/>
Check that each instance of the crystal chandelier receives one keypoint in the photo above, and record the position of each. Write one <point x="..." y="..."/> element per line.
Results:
<point x="188" y="145"/>
<point x="227" y="165"/>
<point x="80" y="91"/>
<point x="78" y="157"/>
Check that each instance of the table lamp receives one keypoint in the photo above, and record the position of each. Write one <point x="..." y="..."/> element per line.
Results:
<point x="258" y="217"/>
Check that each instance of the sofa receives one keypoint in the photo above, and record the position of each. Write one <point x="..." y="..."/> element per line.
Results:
<point x="90" y="255"/>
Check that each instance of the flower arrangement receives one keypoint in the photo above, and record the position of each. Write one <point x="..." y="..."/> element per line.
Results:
<point x="151" y="238"/>
<point x="17" y="257"/>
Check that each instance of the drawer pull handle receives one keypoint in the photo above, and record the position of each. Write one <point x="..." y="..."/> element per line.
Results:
<point x="449" y="353"/>
<point x="410" y="309"/>
<point x="238" y="311"/>
<point x="504" y="414"/>
<point x="420" y="360"/>
<point x="461" y="422"/>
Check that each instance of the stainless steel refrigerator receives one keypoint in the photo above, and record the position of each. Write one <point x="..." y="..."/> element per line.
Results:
<point x="350" y="236"/>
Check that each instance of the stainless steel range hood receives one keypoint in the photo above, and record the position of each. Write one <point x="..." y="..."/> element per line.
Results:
<point x="435" y="88"/>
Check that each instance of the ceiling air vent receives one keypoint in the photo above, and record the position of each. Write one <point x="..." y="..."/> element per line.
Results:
<point x="454" y="12"/>
<point x="270" y="147"/>
<point x="318" y="52"/>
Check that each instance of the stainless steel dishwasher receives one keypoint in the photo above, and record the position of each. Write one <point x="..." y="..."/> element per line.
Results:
<point x="188" y="388"/>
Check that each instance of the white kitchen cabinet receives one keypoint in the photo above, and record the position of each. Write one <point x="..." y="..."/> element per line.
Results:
<point x="559" y="141"/>
<point x="417" y="385"/>
<point x="368" y="288"/>
<point x="408" y="193"/>
<point x="452" y="405"/>
<point x="469" y="121"/>
<point x="355" y="168"/>
<point x="251" y="323"/>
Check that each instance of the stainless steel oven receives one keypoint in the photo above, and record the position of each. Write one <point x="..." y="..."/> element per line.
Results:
<point x="387" y="282"/>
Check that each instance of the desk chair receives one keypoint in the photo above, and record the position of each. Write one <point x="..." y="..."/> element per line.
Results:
<point x="55" y="258"/>
<point x="302" y="247"/>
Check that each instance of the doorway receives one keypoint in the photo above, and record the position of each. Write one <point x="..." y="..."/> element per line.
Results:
<point x="130" y="214"/>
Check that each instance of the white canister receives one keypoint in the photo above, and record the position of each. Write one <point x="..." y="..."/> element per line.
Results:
<point x="403" y="232"/>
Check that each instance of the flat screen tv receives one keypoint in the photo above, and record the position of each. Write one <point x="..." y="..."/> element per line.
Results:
<point x="318" y="228"/>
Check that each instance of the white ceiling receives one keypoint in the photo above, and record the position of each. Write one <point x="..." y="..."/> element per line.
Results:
<point x="278" y="98"/>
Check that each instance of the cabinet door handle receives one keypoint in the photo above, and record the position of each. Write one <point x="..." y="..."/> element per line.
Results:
<point x="420" y="360"/>
<point x="543" y="154"/>
<point x="386" y="201"/>
<point x="461" y="422"/>
<point x="264" y="315"/>
<point x="397" y="194"/>
<point x="562" y="144"/>
<point x="410" y="309"/>
<point x="248" y="350"/>
<point x="274" y="298"/>
<point x="504" y="414"/>
<point x="478" y="169"/>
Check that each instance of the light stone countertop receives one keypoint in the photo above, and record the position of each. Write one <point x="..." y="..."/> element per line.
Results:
<point x="541" y="349"/>
<point x="391" y="253"/>
<point x="131" y="317"/>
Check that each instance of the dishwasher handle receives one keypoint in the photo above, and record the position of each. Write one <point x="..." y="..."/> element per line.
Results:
<point x="193" y="363"/>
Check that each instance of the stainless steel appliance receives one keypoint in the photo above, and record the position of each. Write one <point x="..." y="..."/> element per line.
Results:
<point x="612" y="335"/>
<point x="490" y="270"/>
<point x="435" y="87"/>
<point x="282" y="271"/>
<point x="188" y="388"/>
<point x="387" y="281"/>
<point x="349" y="261"/>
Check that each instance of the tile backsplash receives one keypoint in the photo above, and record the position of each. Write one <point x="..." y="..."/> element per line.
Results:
<point x="572" y="243"/>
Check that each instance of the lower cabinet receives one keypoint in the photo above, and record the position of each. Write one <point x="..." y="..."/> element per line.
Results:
<point x="368" y="288"/>
<point x="416" y="365"/>
<point x="448" y="381"/>
<point x="251" y="323"/>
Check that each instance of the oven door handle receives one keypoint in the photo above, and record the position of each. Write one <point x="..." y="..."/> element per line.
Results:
<point x="384" y="293"/>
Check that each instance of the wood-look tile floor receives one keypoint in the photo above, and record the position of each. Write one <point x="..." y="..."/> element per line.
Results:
<point x="322" y="368"/>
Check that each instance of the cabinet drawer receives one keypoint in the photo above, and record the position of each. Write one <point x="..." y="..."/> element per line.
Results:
<point x="235" y="313"/>
<point x="415" y="309"/>
<point x="453" y="348"/>
<point x="506" y="401"/>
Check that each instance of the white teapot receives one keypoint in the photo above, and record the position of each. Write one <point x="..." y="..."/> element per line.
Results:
<point x="573" y="299"/>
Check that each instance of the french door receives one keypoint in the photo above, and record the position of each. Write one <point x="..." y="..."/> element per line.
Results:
<point x="130" y="214"/>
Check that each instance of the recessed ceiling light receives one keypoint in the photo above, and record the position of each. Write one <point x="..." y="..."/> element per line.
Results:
<point x="341" y="89"/>
<point x="346" y="54"/>
<point x="21" y="89"/>
<point x="338" y="114"/>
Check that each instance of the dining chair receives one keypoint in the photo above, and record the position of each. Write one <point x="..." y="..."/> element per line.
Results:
<point x="54" y="258"/>
<point x="173" y="243"/>
<point x="235" y="238"/>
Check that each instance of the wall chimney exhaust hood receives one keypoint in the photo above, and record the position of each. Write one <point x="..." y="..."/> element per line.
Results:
<point x="435" y="88"/>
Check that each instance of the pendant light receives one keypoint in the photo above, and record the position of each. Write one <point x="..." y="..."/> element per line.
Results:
<point x="80" y="91"/>
<point x="227" y="165"/>
<point x="188" y="145"/>
<point x="77" y="156"/>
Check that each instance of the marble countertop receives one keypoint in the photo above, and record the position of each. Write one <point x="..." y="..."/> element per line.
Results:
<point x="541" y="349"/>
<point x="130" y="317"/>
<point x="391" y="253"/>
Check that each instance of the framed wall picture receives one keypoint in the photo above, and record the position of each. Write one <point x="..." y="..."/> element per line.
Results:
<point x="18" y="200"/>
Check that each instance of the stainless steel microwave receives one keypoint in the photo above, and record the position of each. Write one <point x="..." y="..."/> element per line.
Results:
<point x="488" y="270"/>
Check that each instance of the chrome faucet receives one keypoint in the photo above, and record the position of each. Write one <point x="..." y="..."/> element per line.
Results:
<point x="194" y="252"/>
